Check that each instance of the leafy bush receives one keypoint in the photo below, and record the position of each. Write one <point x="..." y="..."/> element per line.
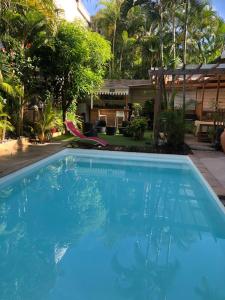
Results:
<point x="148" y="107"/>
<point x="125" y="123"/>
<point x="137" y="109"/>
<point x="47" y="119"/>
<point x="138" y="127"/>
<point x="4" y="122"/>
<point x="71" y="115"/>
<point x="173" y="125"/>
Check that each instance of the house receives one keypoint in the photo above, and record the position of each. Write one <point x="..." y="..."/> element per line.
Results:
<point x="116" y="96"/>
<point x="73" y="10"/>
<point x="204" y="87"/>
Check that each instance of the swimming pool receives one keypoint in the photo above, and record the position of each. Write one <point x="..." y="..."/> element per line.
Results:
<point x="90" y="225"/>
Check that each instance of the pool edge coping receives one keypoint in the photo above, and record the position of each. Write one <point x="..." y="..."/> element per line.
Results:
<point x="117" y="154"/>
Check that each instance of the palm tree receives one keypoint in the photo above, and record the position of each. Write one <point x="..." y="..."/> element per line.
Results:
<point x="47" y="119"/>
<point x="4" y="122"/>
<point x="108" y="18"/>
<point x="45" y="7"/>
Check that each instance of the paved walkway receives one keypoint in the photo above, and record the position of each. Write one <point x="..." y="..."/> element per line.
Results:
<point x="34" y="153"/>
<point x="211" y="163"/>
<point x="212" y="166"/>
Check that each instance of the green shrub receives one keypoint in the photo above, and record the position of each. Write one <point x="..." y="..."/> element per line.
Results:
<point x="137" y="109"/>
<point x="173" y="125"/>
<point x="137" y="127"/>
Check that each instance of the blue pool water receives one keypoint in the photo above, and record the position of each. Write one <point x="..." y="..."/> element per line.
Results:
<point x="84" y="226"/>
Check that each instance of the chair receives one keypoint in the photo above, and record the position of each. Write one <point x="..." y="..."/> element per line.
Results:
<point x="119" y="115"/>
<point x="75" y="132"/>
<point x="100" y="116"/>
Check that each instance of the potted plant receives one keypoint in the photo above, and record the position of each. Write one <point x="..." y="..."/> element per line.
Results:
<point x="4" y="122"/>
<point x="122" y="130"/>
<point x="88" y="129"/>
<point x="48" y="118"/>
<point x="101" y="126"/>
<point x="110" y="130"/>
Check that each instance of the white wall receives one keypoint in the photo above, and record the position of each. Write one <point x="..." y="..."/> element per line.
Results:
<point x="73" y="10"/>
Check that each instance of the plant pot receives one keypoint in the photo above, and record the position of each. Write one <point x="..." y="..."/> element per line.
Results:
<point x="125" y="123"/>
<point x="53" y="130"/>
<point x="101" y="129"/>
<point x="110" y="130"/>
<point x="41" y="138"/>
<point x="222" y="140"/>
<point x="87" y="127"/>
<point x="122" y="130"/>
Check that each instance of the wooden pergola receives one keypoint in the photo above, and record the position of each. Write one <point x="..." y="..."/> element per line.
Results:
<point x="204" y="76"/>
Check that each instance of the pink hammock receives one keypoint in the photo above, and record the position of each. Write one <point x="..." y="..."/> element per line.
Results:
<point x="74" y="131"/>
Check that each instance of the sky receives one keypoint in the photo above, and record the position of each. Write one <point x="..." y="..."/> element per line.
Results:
<point x="218" y="5"/>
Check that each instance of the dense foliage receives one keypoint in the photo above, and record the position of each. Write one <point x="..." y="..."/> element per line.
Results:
<point x="41" y="55"/>
<point x="146" y="34"/>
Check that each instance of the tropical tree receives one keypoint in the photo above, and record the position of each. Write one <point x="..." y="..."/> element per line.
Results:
<point x="25" y="25"/>
<point x="162" y="33"/>
<point x="75" y="65"/>
<point x="45" y="7"/>
<point x="47" y="119"/>
<point x="4" y="121"/>
<point x="108" y="19"/>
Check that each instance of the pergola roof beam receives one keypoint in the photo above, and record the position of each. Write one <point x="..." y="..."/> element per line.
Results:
<point x="211" y="69"/>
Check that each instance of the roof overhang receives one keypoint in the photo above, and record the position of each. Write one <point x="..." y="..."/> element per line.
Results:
<point x="115" y="92"/>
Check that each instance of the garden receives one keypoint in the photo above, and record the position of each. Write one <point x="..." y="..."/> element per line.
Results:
<point x="48" y="66"/>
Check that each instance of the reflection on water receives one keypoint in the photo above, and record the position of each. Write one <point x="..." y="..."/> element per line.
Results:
<point x="81" y="229"/>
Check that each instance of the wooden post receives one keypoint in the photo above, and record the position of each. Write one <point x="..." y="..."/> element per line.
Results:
<point x="92" y="102"/>
<point x="4" y="129"/>
<point x="202" y="102"/>
<point x="184" y="95"/>
<point x="126" y="101"/>
<point x="217" y="100"/>
<point x="217" y="93"/>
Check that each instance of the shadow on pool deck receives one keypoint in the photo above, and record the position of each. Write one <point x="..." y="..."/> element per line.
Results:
<point x="33" y="153"/>
<point x="211" y="164"/>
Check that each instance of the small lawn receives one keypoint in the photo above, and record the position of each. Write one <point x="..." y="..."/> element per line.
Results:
<point x="120" y="140"/>
<point x="114" y="140"/>
<point x="63" y="138"/>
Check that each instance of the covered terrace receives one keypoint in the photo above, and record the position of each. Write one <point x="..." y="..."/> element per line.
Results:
<point x="206" y="85"/>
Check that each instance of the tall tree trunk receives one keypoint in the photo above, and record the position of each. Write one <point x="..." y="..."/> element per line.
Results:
<point x="64" y="111"/>
<point x="185" y="52"/>
<point x="121" y="59"/>
<point x="161" y="33"/>
<point x="174" y="34"/>
<point x="174" y="54"/>
<point x="157" y="108"/>
<point x="113" y="49"/>
<point x="4" y="129"/>
<point x="20" y="120"/>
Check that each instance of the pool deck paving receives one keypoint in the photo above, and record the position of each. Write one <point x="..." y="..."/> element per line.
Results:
<point x="210" y="163"/>
<point x="212" y="166"/>
<point x="23" y="158"/>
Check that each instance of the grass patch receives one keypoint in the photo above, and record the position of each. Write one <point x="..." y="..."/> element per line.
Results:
<point x="114" y="140"/>
<point x="63" y="138"/>
<point x="120" y="140"/>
